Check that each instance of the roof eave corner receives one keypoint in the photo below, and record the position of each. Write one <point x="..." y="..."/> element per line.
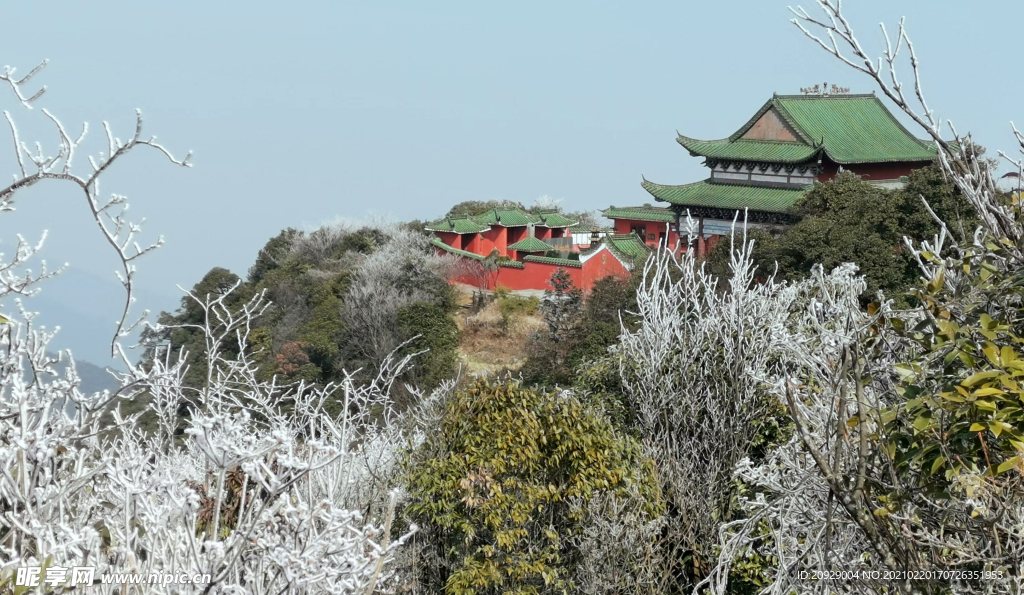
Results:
<point x="682" y="140"/>
<point x="648" y="190"/>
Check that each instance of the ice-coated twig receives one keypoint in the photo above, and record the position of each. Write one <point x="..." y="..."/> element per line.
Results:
<point x="16" y="85"/>
<point x="35" y="166"/>
<point x="958" y="157"/>
<point x="255" y="496"/>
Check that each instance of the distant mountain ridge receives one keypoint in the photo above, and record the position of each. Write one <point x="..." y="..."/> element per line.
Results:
<point x="86" y="307"/>
<point x="94" y="378"/>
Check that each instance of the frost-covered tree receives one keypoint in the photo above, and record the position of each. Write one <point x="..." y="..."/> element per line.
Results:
<point x="906" y="454"/>
<point x="384" y="284"/>
<point x="254" y="499"/>
<point x="692" y="372"/>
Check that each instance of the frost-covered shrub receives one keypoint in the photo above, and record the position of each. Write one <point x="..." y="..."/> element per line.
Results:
<point x="257" y="497"/>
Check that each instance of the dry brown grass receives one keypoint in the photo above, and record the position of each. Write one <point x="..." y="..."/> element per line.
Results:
<point x="486" y="346"/>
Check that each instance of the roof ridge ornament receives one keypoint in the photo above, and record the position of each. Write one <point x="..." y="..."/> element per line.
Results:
<point x="824" y="90"/>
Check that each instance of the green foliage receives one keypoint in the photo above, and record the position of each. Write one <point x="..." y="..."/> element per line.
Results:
<point x="437" y="334"/>
<point x="512" y="306"/>
<point x="593" y="329"/>
<point x="273" y="253"/>
<point x="600" y="383"/>
<point x="848" y="219"/>
<point x="751" y="572"/>
<point x="963" y="393"/>
<point x="561" y="304"/>
<point x="215" y="283"/>
<point x="945" y="200"/>
<point x="323" y="330"/>
<point x="180" y="333"/>
<point x="362" y="241"/>
<point x="477" y="207"/>
<point x="493" y="487"/>
<point x="303" y="335"/>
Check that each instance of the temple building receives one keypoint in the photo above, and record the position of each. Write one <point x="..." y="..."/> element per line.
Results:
<point x="513" y="233"/>
<point x="792" y="142"/>
<point x="517" y="249"/>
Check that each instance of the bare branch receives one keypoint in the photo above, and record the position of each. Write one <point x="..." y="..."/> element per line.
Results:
<point x="116" y="229"/>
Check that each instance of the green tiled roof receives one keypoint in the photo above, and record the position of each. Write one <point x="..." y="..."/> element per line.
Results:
<point x="627" y="245"/>
<point x="518" y="217"/>
<point x="440" y="244"/>
<point x="644" y="213"/>
<point x="848" y="128"/>
<point x="726" y="196"/>
<point x="512" y="264"/>
<point x="749" y="150"/>
<point x="506" y="217"/>
<point x="530" y="245"/>
<point x="553" y="219"/>
<point x="562" y="262"/>
<point x="512" y="217"/>
<point x="461" y="224"/>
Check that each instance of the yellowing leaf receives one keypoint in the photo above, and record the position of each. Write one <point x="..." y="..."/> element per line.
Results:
<point x="976" y="427"/>
<point x="988" y="392"/>
<point x="991" y="352"/>
<point x="1008" y="464"/>
<point x="978" y="377"/>
<point x="951" y="397"/>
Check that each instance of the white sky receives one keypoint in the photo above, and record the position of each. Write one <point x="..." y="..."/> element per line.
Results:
<point x="301" y="112"/>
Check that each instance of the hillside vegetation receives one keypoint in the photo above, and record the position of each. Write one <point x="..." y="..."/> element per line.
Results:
<point x="340" y="298"/>
<point x="835" y="407"/>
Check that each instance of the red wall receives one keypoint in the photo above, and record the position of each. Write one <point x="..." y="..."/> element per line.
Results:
<point x="452" y="239"/>
<point x="601" y="265"/>
<point x="871" y="171"/>
<point x="495" y="238"/>
<point x="656" y="227"/>
<point x="535" y="275"/>
<point x="471" y="242"/>
<point x="516" y="233"/>
<point x="626" y="225"/>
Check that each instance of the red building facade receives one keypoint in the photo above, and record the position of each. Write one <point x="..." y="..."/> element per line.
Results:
<point x="614" y="255"/>
<point x="512" y="248"/>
